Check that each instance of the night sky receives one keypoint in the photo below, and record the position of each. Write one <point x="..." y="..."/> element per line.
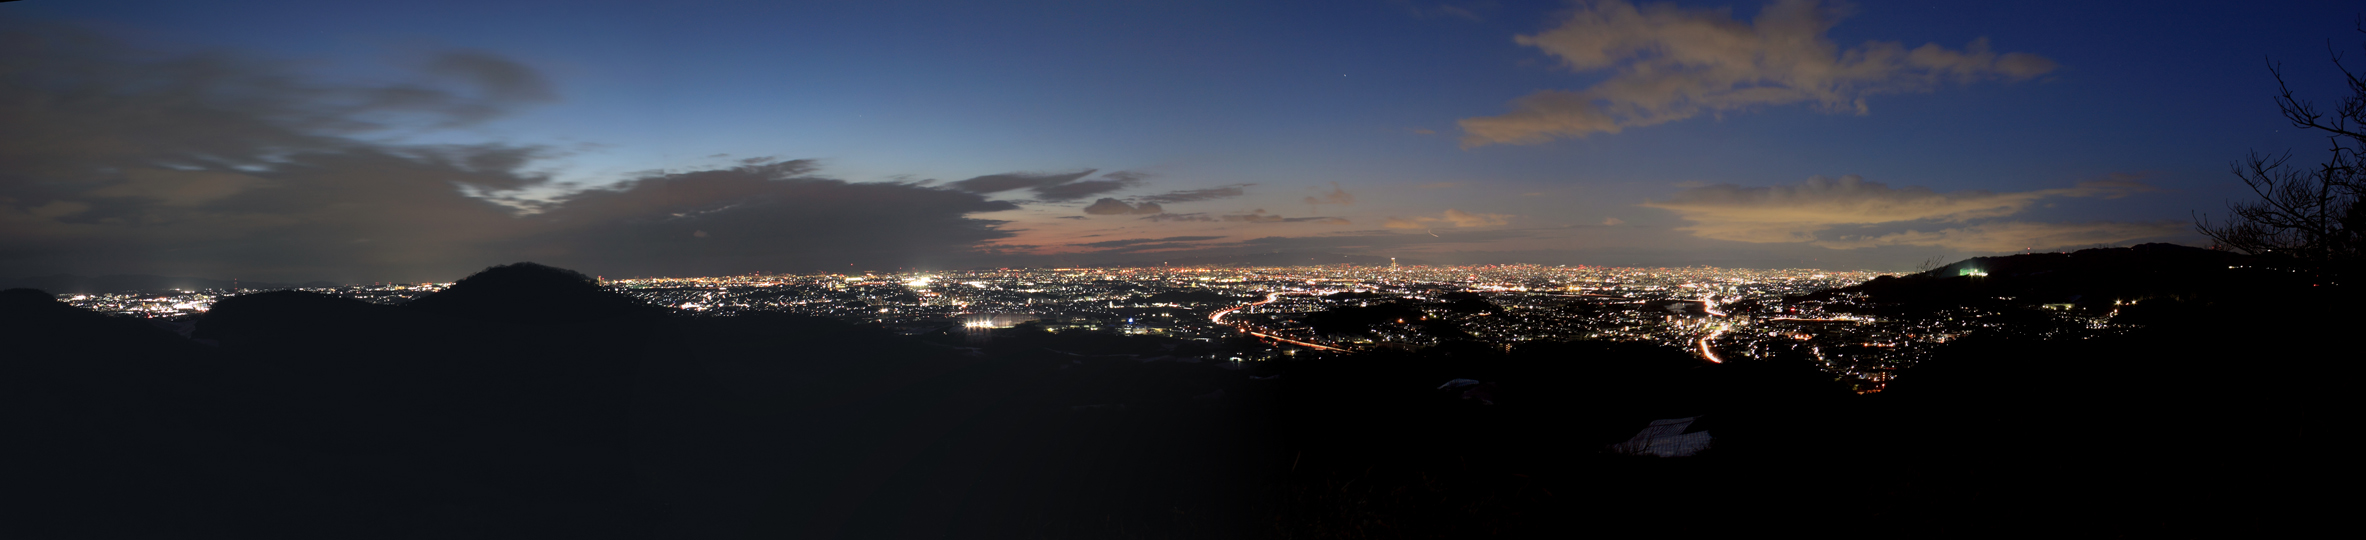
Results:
<point x="418" y="141"/>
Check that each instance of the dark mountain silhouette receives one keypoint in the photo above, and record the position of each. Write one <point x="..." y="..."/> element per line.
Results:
<point x="2090" y="279"/>
<point x="527" y="402"/>
<point x="483" y="414"/>
<point x="85" y="401"/>
<point x="530" y="293"/>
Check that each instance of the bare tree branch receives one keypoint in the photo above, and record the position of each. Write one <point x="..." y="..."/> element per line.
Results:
<point x="2314" y="214"/>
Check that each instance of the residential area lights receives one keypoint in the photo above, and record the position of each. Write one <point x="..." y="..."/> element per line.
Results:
<point x="1724" y="314"/>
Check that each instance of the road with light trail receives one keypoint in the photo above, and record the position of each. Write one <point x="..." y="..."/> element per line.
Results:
<point x="1709" y="304"/>
<point x="1218" y="318"/>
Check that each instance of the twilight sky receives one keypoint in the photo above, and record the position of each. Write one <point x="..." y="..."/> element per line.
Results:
<point x="298" y="140"/>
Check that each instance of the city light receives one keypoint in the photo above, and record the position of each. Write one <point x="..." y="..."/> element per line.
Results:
<point x="1282" y="309"/>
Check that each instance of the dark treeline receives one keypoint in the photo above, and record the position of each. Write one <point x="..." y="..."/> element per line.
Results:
<point x="527" y="402"/>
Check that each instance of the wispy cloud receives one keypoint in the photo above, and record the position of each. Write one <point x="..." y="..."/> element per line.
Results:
<point x="1337" y="195"/>
<point x="1797" y="213"/>
<point x="1141" y="241"/>
<point x="1078" y="190"/>
<point x="1051" y="187"/>
<point x="997" y="183"/>
<point x="2016" y="235"/>
<point x="1260" y="216"/>
<point x="1253" y="216"/>
<point x="1194" y="216"/>
<point x="1114" y="207"/>
<point x="1803" y="213"/>
<point x="1194" y="195"/>
<point x="1452" y="217"/>
<point x="1671" y="64"/>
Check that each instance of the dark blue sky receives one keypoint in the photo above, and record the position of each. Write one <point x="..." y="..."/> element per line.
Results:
<point x="1423" y="130"/>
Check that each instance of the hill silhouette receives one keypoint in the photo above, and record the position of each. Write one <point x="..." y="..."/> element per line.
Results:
<point x="525" y="401"/>
<point x="531" y="293"/>
<point x="2092" y="280"/>
<point x="484" y="414"/>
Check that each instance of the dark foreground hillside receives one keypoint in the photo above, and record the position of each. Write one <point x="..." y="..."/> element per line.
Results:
<point x="2218" y="416"/>
<point x="2198" y="430"/>
<point x="525" y="402"/>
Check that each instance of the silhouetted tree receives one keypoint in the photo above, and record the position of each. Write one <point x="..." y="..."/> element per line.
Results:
<point x="1931" y="263"/>
<point x="2308" y="214"/>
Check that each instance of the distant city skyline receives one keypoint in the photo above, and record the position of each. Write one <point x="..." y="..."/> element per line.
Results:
<point x="354" y="143"/>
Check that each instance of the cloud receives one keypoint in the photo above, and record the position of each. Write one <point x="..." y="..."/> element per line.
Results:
<point x="1259" y="216"/>
<point x="1797" y="213"/>
<point x="1337" y="196"/>
<point x="2116" y="185"/>
<point x="1452" y="217"/>
<point x="1194" y="216"/>
<point x="1192" y="195"/>
<point x="763" y="216"/>
<point x="997" y="183"/>
<point x="83" y="100"/>
<point x="175" y="187"/>
<point x="1367" y="246"/>
<point x="499" y="83"/>
<point x="1439" y="185"/>
<point x="1140" y="241"/>
<point x="213" y="164"/>
<point x="1465" y="219"/>
<point x="1130" y="177"/>
<point x="1613" y="222"/>
<point x="1151" y="205"/>
<point x="1079" y="190"/>
<point x="1669" y="64"/>
<point x="1051" y="187"/>
<point x="1114" y="207"/>
<point x="1253" y="216"/>
<point x="2017" y="236"/>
